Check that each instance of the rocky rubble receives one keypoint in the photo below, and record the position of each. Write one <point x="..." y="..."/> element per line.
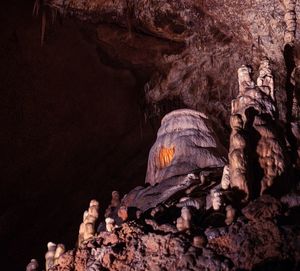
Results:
<point x="256" y="239"/>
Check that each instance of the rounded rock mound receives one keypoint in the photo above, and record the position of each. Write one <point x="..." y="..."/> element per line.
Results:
<point x="185" y="143"/>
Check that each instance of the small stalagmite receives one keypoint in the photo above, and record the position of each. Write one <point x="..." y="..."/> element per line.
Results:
<point x="216" y="199"/>
<point x="50" y="254"/>
<point x="89" y="231"/>
<point x="110" y="224"/>
<point x="33" y="265"/>
<point x="183" y="222"/>
<point x="114" y="204"/>
<point x="60" y="249"/>
<point x="265" y="79"/>
<point x="87" y="227"/>
<point x="225" y="181"/>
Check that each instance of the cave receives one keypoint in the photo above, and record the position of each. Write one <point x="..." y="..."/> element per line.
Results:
<point x="150" y="135"/>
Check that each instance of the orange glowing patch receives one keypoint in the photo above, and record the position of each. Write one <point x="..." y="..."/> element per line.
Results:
<point x="166" y="156"/>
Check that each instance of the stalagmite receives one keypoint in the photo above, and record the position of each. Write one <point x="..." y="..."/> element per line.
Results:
<point x="270" y="154"/>
<point x="253" y="123"/>
<point x="265" y="79"/>
<point x="87" y="227"/>
<point x="94" y="209"/>
<point x="237" y="155"/>
<point x="49" y="256"/>
<point x="32" y="266"/>
<point x="216" y="200"/>
<point x="89" y="231"/>
<point x="183" y="222"/>
<point x="225" y="181"/>
<point x="60" y="249"/>
<point x="110" y="224"/>
<point x="115" y="203"/>
<point x="245" y="80"/>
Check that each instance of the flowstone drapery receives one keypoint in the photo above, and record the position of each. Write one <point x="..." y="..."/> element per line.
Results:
<point x="257" y="154"/>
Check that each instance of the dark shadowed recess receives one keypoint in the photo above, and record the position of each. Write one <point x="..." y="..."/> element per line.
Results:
<point x="72" y="129"/>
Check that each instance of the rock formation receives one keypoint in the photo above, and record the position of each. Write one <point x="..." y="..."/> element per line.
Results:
<point x="32" y="266"/>
<point x="254" y="126"/>
<point x="87" y="227"/>
<point x="290" y="20"/>
<point x="183" y="222"/>
<point x="112" y="209"/>
<point x="110" y="224"/>
<point x="60" y="250"/>
<point x="49" y="256"/>
<point x="184" y="133"/>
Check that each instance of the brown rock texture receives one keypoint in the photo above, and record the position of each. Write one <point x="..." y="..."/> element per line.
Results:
<point x="254" y="240"/>
<point x="216" y="38"/>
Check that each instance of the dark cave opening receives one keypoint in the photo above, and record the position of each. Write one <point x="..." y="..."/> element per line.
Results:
<point x="73" y="129"/>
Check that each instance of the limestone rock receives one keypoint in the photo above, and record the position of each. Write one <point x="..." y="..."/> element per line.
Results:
<point x="185" y="143"/>
<point x="263" y="208"/>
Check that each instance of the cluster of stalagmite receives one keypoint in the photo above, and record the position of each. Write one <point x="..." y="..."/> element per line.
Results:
<point x="53" y="254"/>
<point x="88" y="228"/>
<point x="254" y="144"/>
<point x="290" y="19"/>
<point x="195" y="209"/>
